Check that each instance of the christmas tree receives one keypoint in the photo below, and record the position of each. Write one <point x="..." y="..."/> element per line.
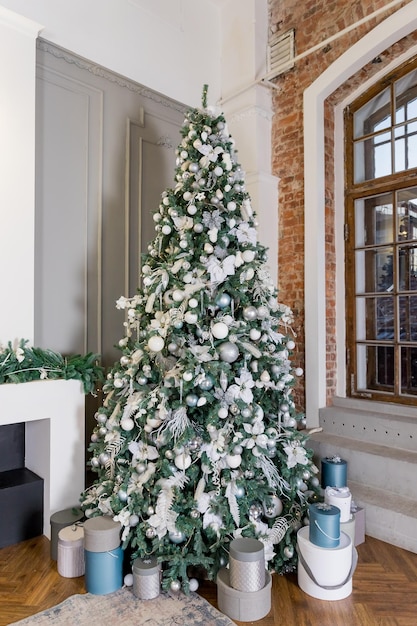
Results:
<point x="198" y="440"/>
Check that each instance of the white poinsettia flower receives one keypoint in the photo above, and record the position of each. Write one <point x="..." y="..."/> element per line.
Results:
<point x="257" y="440"/>
<point x="242" y="389"/>
<point x="245" y="233"/>
<point x="20" y="354"/>
<point x="220" y="269"/>
<point x="142" y="452"/>
<point x="296" y="454"/>
<point x="122" y="303"/>
<point x="214" y="450"/>
<point x="213" y="520"/>
<point x="210" y="154"/>
<point x="105" y="507"/>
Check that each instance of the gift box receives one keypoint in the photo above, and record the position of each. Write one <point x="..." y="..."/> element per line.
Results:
<point x="247" y="564"/>
<point x="324" y="527"/>
<point x="146" y="578"/>
<point x="70" y="557"/>
<point x="359" y="515"/>
<point x="342" y="498"/>
<point x="103" y="555"/>
<point x="240" y="605"/>
<point x="60" y="520"/>
<point x="333" y="472"/>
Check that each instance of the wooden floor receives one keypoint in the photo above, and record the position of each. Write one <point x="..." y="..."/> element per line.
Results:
<point x="384" y="589"/>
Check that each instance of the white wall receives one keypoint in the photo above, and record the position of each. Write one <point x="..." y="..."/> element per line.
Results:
<point x="170" y="46"/>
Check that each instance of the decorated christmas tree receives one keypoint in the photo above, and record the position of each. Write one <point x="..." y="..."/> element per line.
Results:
<point x="198" y="440"/>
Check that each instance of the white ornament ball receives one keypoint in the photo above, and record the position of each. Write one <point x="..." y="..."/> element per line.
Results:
<point x="178" y="295"/>
<point x="175" y="585"/>
<point x="182" y="461"/>
<point x="176" y="536"/>
<point x="208" y="248"/>
<point x="233" y="460"/>
<point x="254" y="334"/>
<point x="133" y="520"/>
<point x="250" y="313"/>
<point x="193" y="584"/>
<point x="193" y="303"/>
<point x="128" y="580"/>
<point x="231" y="206"/>
<point x="299" y="371"/>
<point x="273" y="508"/>
<point x="191" y="317"/>
<point x="229" y="352"/>
<point x="248" y="256"/>
<point x="155" y="343"/>
<point x="220" y="330"/>
<point x="187" y="376"/>
<point x="192" y="209"/>
<point x="166" y="229"/>
<point x="127" y="423"/>
<point x="222" y="412"/>
<point x="290" y="344"/>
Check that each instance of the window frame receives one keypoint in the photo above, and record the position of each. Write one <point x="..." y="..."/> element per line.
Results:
<point x="391" y="183"/>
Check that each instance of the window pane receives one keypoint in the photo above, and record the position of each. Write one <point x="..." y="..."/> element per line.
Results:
<point x="375" y="319"/>
<point x="374" y="270"/>
<point x="372" y="158"/>
<point x="406" y="97"/>
<point x="407" y="214"/>
<point x="407" y="268"/>
<point x="374" y="115"/>
<point x="408" y="318"/>
<point x="374" y="220"/>
<point x="409" y="371"/>
<point x="405" y="147"/>
<point x="378" y="363"/>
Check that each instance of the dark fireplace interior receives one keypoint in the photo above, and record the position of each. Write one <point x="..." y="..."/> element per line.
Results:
<point x="21" y="490"/>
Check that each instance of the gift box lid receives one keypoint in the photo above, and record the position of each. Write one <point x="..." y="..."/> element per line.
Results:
<point x="67" y="516"/>
<point x="322" y="508"/>
<point x="336" y="460"/>
<point x="101" y="534"/>
<point x="246" y="549"/>
<point x="146" y="566"/>
<point x="338" y="492"/>
<point x="71" y="535"/>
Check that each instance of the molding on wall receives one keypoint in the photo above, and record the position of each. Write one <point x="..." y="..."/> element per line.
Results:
<point x="98" y="70"/>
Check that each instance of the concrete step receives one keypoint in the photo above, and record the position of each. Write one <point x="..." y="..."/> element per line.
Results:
<point x="388" y="516"/>
<point x="377" y="422"/>
<point x="382" y="481"/>
<point x="390" y="469"/>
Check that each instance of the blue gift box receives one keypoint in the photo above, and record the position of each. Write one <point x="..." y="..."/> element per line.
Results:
<point x="333" y="472"/>
<point x="324" y="525"/>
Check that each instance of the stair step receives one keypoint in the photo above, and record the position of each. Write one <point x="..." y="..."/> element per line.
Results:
<point x="388" y="516"/>
<point x="390" y="469"/>
<point x="382" y="481"/>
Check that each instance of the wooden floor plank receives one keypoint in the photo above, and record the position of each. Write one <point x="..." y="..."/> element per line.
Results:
<point x="384" y="589"/>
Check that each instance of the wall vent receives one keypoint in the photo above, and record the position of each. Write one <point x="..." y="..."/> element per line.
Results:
<point x="281" y="53"/>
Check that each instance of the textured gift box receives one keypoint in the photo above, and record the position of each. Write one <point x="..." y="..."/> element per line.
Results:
<point x="333" y="472"/>
<point x="241" y="605"/>
<point x="60" y="520"/>
<point x="247" y="564"/>
<point x="324" y="527"/>
<point x="146" y="578"/>
<point x="70" y="561"/>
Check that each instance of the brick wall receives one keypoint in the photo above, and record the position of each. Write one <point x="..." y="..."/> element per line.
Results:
<point x="313" y="21"/>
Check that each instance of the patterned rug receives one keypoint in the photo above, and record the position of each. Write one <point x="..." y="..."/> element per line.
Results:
<point x="122" y="607"/>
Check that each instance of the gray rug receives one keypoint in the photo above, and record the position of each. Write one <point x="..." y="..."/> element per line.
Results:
<point x="122" y="607"/>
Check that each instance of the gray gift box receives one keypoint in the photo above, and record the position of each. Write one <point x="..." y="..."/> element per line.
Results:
<point x="241" y="605"/>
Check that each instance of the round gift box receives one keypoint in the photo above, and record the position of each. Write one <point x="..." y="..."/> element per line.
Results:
<point x="324" y="527"/>
<point x="247" y="564"/>
<point x="349" y="528"/>
<point x="330" y="567"/>
<point x="146" y="578"/>
<point x="101" y="534"/>
<point x="340" y="497"/>
<point x="240" y="605"/>
<point x="60" y="520"/>
<point x="71" y="551"/>
<point x="103" y="571"/>
<point x="333" y="472"/>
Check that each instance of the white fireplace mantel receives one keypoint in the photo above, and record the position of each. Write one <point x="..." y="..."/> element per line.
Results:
<point x="53" y="411"/>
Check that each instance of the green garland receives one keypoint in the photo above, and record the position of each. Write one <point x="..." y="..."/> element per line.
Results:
<point x="23" y="364"/>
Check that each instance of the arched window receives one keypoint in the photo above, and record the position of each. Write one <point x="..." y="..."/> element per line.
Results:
<point x="381" y="239"/>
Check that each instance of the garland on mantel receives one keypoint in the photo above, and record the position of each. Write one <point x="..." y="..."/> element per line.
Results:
<point x="23" y="363"/>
